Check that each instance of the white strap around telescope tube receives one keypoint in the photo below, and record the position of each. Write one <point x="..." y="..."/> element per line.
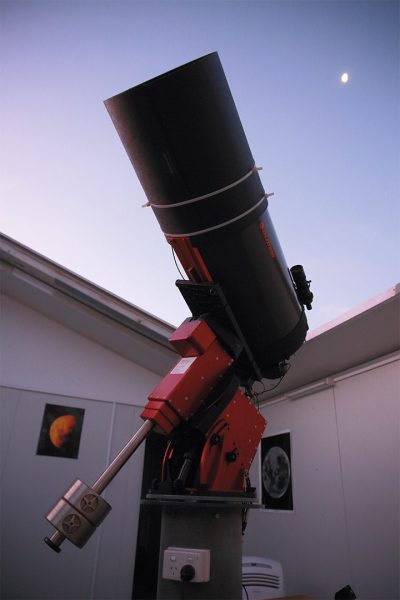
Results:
<point x="208" y="229"/>
<point x="198" y="198"/>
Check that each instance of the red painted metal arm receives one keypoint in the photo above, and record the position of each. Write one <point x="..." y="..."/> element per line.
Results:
<point x="183" y="390"/>
<point x="180" y="405"/>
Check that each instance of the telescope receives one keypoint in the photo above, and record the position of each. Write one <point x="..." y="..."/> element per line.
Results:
<point x="187" y="145"/>
<point x="184" y="137"/>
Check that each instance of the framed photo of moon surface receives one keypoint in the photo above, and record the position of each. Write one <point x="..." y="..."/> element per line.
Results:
<point x="60" y="433"/>
<point x="276" y="472"/>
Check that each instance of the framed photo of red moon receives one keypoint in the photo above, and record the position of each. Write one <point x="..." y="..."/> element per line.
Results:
<point x="60" y="433"/>
<point x="276" y="472"/>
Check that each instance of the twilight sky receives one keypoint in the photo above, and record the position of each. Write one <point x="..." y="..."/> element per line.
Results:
<point x="329" y="151"/>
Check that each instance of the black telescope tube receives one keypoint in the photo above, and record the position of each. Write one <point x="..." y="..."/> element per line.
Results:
<point x="184" y="137"/>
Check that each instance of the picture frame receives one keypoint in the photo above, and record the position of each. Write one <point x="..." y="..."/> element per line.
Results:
<point x="277" y="472"/>
<point x="60" y="432"/>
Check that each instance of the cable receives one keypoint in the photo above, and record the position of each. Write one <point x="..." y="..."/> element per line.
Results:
<point x="209" y="195"/>
<point x="279" y="382"/>
<point x="176" y="263"/>
<point x="255" y="395"/>
<point x="245" y="591"/>
<point x="219" y="225"/>
<point x="244" y="519"/>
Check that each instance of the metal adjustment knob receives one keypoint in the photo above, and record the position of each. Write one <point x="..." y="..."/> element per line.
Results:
<point x="77" y="514"/>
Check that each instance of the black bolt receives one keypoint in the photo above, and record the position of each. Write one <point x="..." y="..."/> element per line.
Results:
<point x="231" y="456"/>
<point x="215" y="439"/>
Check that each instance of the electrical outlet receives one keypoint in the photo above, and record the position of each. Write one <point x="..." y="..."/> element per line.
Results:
<point x="175" y="559"/>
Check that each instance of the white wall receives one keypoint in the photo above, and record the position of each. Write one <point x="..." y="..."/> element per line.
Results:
<point x="345" y="456"/>
<point x="345" y="524"/>
<point x="44" y="362"/>
<point x="40" y="354"/>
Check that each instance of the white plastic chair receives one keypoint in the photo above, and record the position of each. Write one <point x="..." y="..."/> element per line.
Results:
<point x="262" y="578"/>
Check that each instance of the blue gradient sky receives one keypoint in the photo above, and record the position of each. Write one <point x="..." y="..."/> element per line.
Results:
<point x="330" y="152"/>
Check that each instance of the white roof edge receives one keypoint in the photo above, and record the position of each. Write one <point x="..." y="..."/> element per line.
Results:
<point x="59" y="277"/>
<point x="356" y="311"/>
<point x="55" y="275"/>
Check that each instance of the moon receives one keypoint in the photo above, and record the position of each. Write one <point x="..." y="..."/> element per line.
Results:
<point x="344" y="78"/>
<point x="276" y="472"/>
